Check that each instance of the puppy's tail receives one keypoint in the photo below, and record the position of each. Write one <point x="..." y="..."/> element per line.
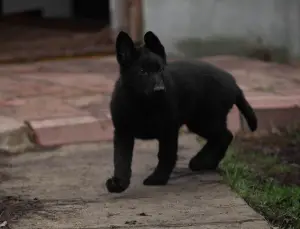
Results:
<point x="246" y="110"/>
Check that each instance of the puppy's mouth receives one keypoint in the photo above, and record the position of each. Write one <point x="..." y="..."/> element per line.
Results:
<point x="160" y="87"/>
<point x="156" y="91"/>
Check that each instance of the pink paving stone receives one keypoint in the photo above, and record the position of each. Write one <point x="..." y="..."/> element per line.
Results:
<point x="97" y="105"/>
<point x="269" y="118"/>
<point x="71" y="130"/>
<point x="85" y="100"/>
<point x="274" y="101"/>
<point x="99" y="113"/>
<point x="233" y="120"/>
<point x="256" y="79"/>
<point x="288" y="92"/>
<point x="38" y="88"/>
<point x="27" y="87"/>
<point x="88" y="81"/>
<point x="110" y="59"/>
<point x="7" y="84"/>
<point x="258" y="93"/>
<point x="271" y="111"/>
<point x="81" y="129"/>
<point x="86" y="128"/>
<point x="4" y="97"/>
<point x="11" y="102"/>
<point x="112" y="76"/>
<point x="232" y="62"/>
<point x="20" y="68"/>
<point x="39" y="108"/>
<point x="250" y="73"/>
<point x="269" y="77"/>
<point x="274" y="111"/>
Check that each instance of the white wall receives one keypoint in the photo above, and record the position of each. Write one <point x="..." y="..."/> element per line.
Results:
<point x="118" y="16"/>
<point x="51" y="8"/>
<point x="276" y="22"/>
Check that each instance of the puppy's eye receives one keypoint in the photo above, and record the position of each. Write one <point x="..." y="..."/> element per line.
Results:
<point x="142" y="71"/>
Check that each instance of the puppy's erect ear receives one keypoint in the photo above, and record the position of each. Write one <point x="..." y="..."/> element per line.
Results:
<point x="125" y="49"/>
<point x="154" y="45"/>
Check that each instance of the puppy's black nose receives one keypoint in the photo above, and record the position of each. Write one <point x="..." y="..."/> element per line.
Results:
<point x="159" y="88"/>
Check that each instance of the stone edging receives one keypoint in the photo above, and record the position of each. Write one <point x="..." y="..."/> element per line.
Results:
<point x="17" y="140"/>
<point x="272" y="113"/>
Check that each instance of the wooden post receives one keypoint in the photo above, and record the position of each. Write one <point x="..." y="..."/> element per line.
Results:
<point x="135" y="22"/>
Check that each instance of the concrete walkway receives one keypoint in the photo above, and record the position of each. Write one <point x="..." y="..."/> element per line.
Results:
<point x="70" y="184"/>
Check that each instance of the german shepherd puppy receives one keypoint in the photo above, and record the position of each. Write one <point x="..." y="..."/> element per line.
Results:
<point x="152" y="99"/>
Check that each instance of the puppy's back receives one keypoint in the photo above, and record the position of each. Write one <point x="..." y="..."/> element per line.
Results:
<point x="200" y="75"/>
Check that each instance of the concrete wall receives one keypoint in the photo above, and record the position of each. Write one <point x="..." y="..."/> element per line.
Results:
<point x="51" y="8"/>
<point x="186" y="26"/>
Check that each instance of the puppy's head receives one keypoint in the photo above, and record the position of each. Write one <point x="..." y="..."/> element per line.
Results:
<point x="141" y="67"/>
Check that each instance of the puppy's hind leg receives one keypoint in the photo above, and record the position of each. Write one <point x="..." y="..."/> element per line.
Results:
<point x="209" y="157"/>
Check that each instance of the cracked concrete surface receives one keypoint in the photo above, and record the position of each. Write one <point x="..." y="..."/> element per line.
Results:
<point x="70" y="183"/>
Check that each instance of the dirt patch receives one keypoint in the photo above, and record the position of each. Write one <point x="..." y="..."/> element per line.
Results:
<point x="51" y="39"/>
<point x="4" y="164"/>
<point x="275" y="154"/>
<point x="13" y="208"/>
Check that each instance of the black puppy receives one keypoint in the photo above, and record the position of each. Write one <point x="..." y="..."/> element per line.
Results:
<point x="153" y="99"/>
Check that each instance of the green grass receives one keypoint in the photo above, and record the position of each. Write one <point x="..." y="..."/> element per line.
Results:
<point x="265" y="165"/>
<point x="278" y="203"/>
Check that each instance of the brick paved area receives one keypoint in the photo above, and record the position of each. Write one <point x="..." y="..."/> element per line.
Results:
<point x="67" y="101"/>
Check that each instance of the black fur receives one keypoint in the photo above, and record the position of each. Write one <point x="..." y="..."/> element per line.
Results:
<point x="153" y="99"/>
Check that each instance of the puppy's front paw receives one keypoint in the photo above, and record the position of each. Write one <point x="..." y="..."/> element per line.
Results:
<point x="156" y="180"/>
<point x="115" y="185"/>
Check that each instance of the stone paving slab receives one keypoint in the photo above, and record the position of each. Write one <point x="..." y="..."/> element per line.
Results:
<point x="67" y="130"/>
<point x="81" y="87"/>
<point x="69" y="182"/>
<point x="41" y="107"/>
<point x="89" y="82"/>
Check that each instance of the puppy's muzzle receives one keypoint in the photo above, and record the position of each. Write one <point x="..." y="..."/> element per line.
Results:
<point x="159" y="86"/>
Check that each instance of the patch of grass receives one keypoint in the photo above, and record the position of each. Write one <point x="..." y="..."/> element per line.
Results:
<point x="265" y="165"/>
<point x="252" y="179"/>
